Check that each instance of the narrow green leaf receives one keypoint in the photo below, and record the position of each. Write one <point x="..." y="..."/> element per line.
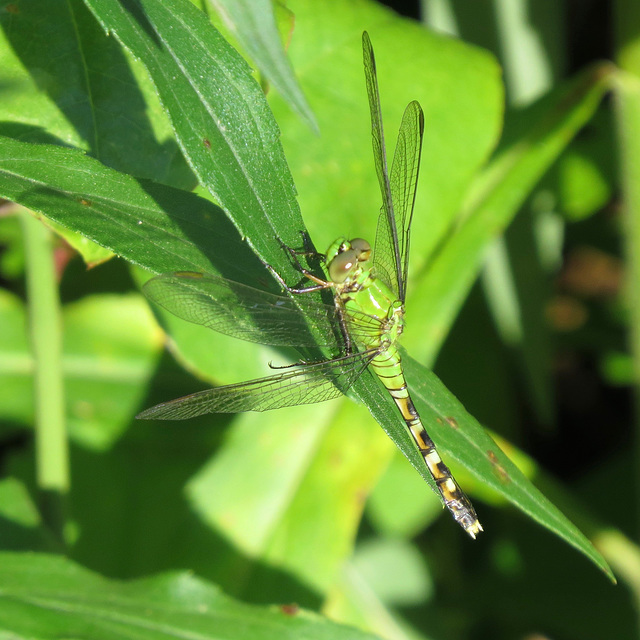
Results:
<point x="253" y="23"/>
<point x="219" y="114"/>
<point x="45" y="333"/>
<point x="460" y="437"/>
<point x="157" y="227"/>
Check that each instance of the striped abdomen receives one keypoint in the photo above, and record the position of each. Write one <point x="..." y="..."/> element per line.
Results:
<point x="388" y="367"/>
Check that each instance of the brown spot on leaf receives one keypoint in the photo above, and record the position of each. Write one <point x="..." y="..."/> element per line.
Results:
<point x="498" y="469"/>
<point x="452" y="422"/>
<point x="290" y="609"/>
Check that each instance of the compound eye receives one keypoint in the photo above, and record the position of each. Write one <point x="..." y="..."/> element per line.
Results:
<point x="342" y="266"/>
<point x="362" y="249"/>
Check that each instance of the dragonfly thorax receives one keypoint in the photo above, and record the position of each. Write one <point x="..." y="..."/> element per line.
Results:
<point x="345" y="258"/>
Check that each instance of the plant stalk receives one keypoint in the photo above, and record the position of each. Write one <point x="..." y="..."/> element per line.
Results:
<point x="45" y="329"/>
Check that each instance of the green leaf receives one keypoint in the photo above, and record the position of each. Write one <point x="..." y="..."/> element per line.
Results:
<point x="497" y="195"/>
<point x="219" y="114"/>
<point x="458" y="86"/>
<point x="48" y="597"/>
<point x="394" y="569"/>
<point x="64" y="82"/>
<point x="21" y="528"/>
<point x="399" y="506"/>
<point x="16" y="363"/>
<point x="459" y="436"/>
<point x="157" y="227"/>
<point x="585" y="174"/>
<point x="109" y="347"/>
<point x="253" y="24"/>
<point x="314" y="464"/>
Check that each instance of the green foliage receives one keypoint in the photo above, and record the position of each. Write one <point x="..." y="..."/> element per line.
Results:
<point x="48" y="596"/>
<point x="112" y="111"/>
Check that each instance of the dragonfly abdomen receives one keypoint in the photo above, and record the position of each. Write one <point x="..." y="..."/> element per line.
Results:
<point x="387" y="366"/>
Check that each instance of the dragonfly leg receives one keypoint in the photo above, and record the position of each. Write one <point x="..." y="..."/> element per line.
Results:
<point x="342" y="321"/>
<point x="319" y="286"/>
<point x="310" y="253"/>
<point x="286" y="366"/>
<point x="309" y="250"/>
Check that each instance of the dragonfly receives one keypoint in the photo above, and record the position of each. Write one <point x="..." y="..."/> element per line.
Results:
<point x="362" y="326"/>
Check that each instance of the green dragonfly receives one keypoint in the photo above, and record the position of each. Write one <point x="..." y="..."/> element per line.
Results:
<point x="362" y="326"/>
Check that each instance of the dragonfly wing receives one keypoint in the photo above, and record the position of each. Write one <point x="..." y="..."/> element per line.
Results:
<point x="385" y="251"/>
<point x="241" y="311"/>
<point x="303" y="384"/>
<point x="404" y="178"/>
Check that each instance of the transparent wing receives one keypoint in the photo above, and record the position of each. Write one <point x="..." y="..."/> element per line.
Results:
<point x="391" y="252"/>
<point x="241" y="311"/>
<point x="404" y="178"/>
<point x="303" y="384"/>
<point x="385" y="255"/>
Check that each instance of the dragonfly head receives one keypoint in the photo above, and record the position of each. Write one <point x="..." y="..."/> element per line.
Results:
<point x="347" y="258"/>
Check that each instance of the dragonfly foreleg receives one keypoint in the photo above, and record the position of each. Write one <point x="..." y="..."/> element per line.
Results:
<point x="319" y="285"/>
<point x="309" y="250"/>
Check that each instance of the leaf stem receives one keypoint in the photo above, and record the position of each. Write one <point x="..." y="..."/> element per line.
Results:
<point x="45" y="328"/>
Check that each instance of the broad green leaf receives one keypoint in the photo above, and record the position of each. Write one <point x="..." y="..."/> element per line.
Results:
<point x="458" y="86"/>
<point x="315" y="465"/>
<point x="497" y="195"/>
<point x="394" y="569"/>
<point x="48" y="597"/>
<point x="399" y="506"/>
<point x="109" y="346"/>
<point x="253" y="23"/>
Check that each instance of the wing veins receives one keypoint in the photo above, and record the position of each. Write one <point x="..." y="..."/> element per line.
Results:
<point x="241" y="311"/>
<point x="304" y="384"/>
<point x="387" y="231"/>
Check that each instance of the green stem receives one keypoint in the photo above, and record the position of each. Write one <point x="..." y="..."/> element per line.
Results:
<point x="45" y="327"/>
